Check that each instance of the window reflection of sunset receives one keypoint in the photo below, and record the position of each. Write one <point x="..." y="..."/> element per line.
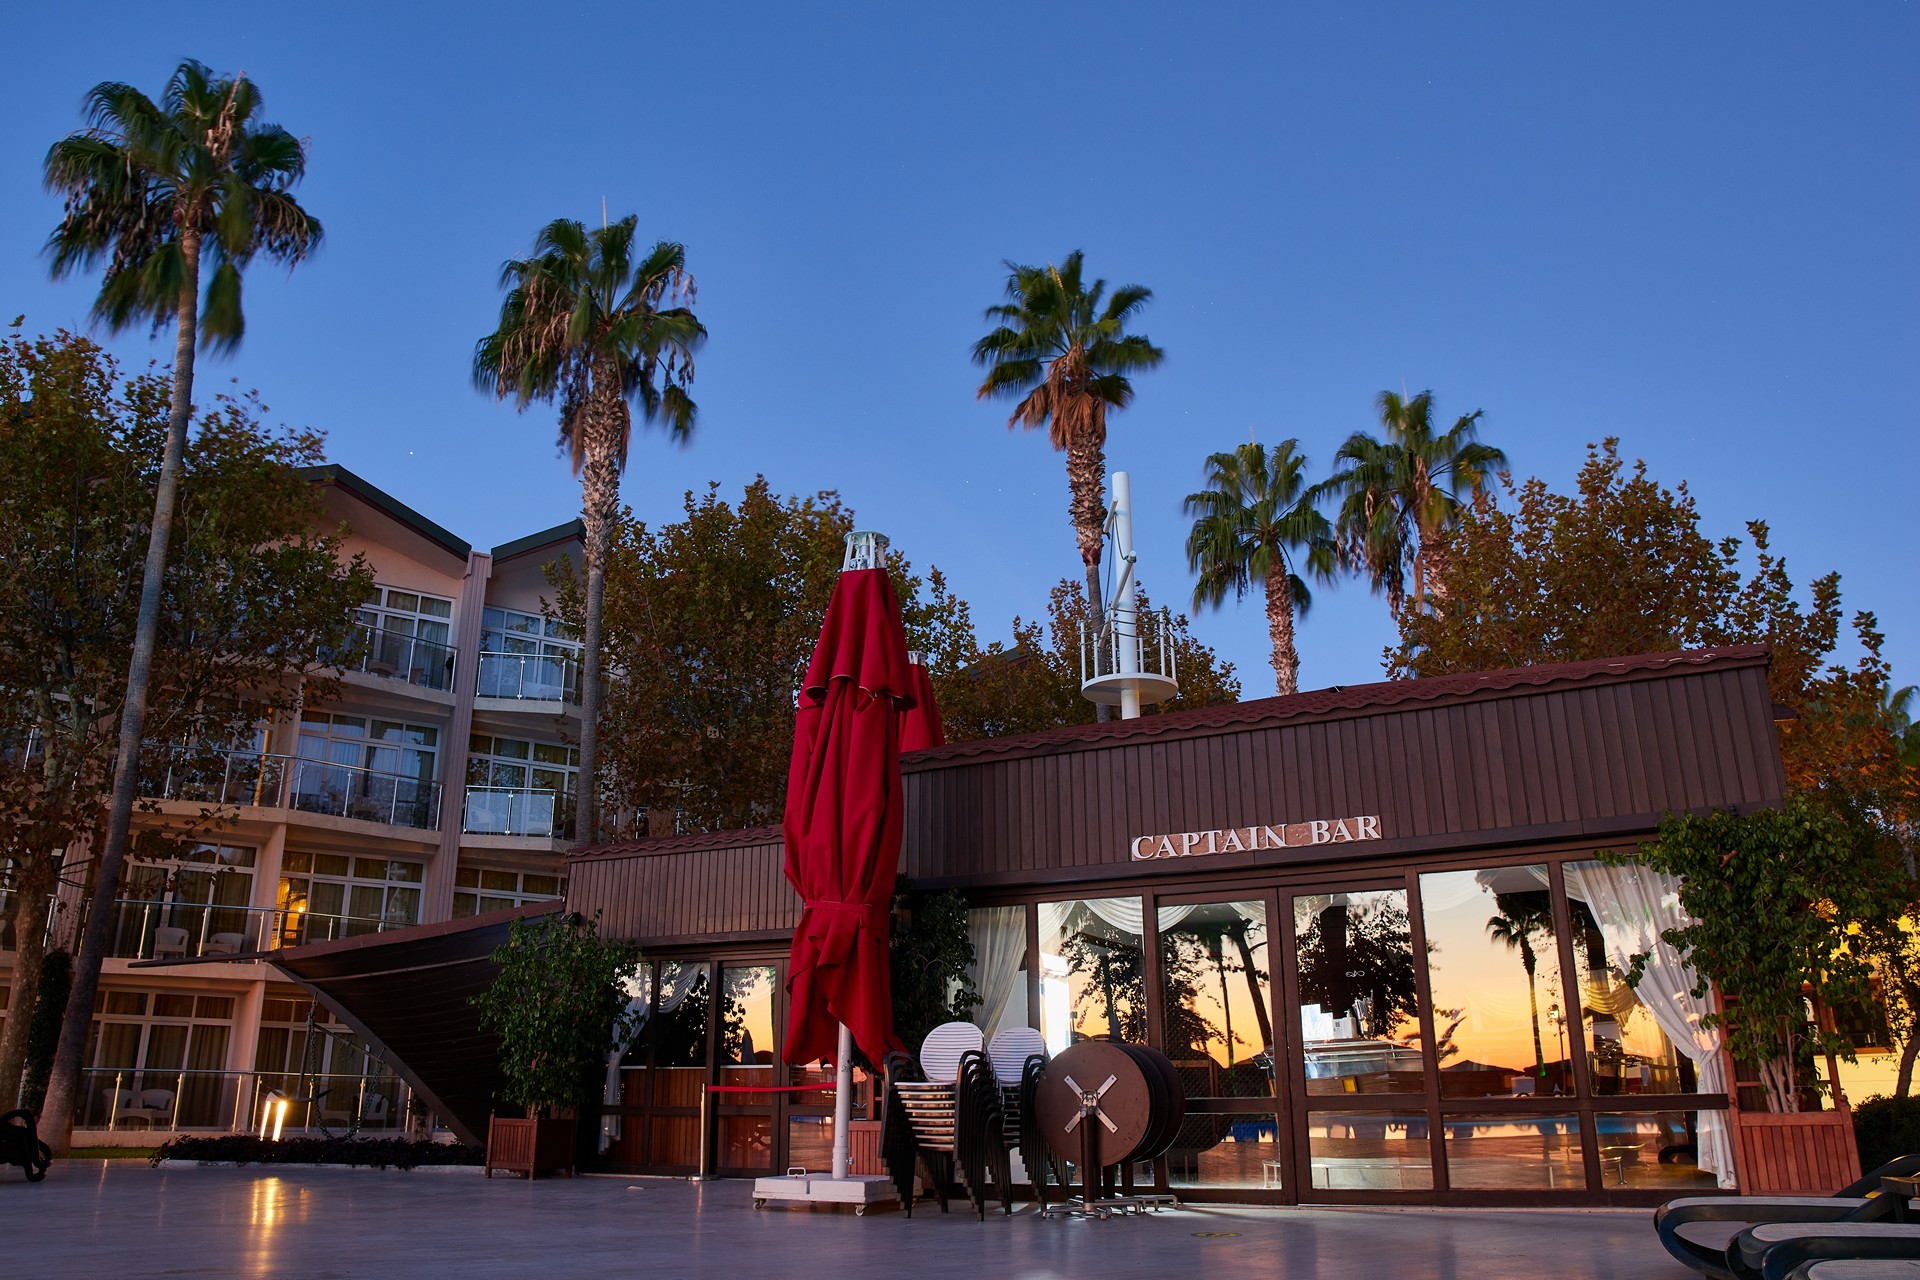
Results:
<point x="1483" y="979"/>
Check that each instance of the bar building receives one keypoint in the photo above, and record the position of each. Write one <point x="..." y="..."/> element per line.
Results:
<point x="1366" y="923"/>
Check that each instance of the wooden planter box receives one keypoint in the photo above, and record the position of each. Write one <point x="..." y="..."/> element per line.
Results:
<point x="1807" y="1153"/>
<point x="543" y="1144"/>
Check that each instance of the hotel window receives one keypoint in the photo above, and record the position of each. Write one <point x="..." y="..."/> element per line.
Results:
<point x="519" y="787"/>
<point x="525" y="655"/>
<point x="157" y="1059"/>
<point x="409" y="613"/>
<point x="305" y="1052"/>
<point x="185" y="901"/>
<point x="330" y="895"/>
<point x="360" y="767"/>
<point x="478" y="890"/>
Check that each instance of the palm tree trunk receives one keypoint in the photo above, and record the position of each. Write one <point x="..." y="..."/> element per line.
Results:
<point x="1261" y="1016"/>
<point x="1286" y="658"/>
<point x="63" y="1086"/>
<point x="1087" y="508"/>
<point x="1903" y="1081"/>
<point x="1528" y="961"/>
<point x="30" y="947"/>
<point x="600" y="493"/>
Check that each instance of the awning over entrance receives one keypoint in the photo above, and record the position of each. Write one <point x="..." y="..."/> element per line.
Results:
<point x="410" y="992"/>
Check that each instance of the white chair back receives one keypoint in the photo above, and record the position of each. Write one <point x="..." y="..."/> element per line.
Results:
<point x="940" y="1052"/>
<point x="1011" y="1048"/>
<point x="169" y="941"/>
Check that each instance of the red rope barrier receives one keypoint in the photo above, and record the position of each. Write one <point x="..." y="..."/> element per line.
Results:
<point x="769" y="1088"/>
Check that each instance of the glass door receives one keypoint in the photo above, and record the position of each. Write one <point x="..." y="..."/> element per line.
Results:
<point x="1217" y="1026"/>
<point x="1354" y="1006"/>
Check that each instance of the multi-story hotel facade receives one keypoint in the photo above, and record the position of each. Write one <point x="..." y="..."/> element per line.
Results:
<point x="438" y="784"/>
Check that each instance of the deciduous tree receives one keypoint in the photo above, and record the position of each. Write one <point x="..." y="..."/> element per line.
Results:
<point x="257" y="598"/>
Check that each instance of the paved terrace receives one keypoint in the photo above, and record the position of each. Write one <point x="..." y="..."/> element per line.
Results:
<point x="124" y="1219"/>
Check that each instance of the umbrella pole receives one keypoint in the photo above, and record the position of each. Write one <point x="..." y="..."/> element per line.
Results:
<point x="842" y="1100"/>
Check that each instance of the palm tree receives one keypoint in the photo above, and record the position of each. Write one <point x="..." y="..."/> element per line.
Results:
<point x="1397" y="494"/>
<point x="602" y="330"/>
<point x="153" y="189"/>
<point x="1256" y="522"/>
<point x="1518" y="920"/>
<point x="1066" y="353"/>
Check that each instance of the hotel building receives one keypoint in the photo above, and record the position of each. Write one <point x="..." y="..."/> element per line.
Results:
<point x="437" y="785"/>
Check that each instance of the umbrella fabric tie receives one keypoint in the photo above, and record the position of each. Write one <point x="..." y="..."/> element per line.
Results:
<point x="830" y="904"/>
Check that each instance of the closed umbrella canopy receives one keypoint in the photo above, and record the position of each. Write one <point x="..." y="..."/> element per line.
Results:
<point x="843" y="822"/>
<point x="920" y="725"/>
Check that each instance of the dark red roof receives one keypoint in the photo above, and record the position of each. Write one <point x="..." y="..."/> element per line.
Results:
<point x="1319" y="704"/>
<point x="1339" y="701"/>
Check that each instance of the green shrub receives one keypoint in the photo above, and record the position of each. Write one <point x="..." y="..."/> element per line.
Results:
<point x="1885" y="1128"/>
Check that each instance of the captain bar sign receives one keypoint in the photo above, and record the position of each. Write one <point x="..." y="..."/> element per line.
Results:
<point x="1191" y="844"/>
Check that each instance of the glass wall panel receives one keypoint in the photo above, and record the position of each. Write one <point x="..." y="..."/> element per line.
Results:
<point x="1650" y="1149"/>
<point x="1227" y="1150"/>
<point x="999" y="970"/>
<point x="1369" y="1151"/>
<point x="1217" y="1024"/>
<point x="1359" y="1003"/>
<point x="747" y="1050"/>
<point x="1092" y="983"/>
<point x="674" y="1039"/>
<point x="1514" y="1152"/>
<point x="1493" y="965"/>
<point x="1627" y="1053"/>
<point x="745" y="1142"/>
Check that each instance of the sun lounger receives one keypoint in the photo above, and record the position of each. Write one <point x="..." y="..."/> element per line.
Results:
<point x="1775" y="1250"/>
<point x="1858" y="1269"/>
<point x="1860" y="1202"/>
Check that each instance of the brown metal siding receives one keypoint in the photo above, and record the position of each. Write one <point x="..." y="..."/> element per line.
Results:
<point x="1587" y="760"/>
<point x="1573" y="761"/>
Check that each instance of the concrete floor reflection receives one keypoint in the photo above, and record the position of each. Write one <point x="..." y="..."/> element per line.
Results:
<point x="130" y="1220"/>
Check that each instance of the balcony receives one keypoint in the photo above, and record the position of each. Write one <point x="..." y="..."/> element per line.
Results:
<point x="294" y="782"/>
<point x="144" y="929"/>
<point x="502" y="811"/>
<point x="163" y="1101"/>
<point x="531" y="677"/>
<point x="426" y="664"/>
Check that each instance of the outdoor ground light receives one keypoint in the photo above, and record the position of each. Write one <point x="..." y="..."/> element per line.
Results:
<point x="273" y="1113"/>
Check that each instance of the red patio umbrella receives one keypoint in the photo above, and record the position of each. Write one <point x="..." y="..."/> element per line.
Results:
<point x="920" y="725"/>
<point x="843" y="817"/>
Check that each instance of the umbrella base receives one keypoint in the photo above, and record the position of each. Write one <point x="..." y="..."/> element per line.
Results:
<point x="858" y="1190"/>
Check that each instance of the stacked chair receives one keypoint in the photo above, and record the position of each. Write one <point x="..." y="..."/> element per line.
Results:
<point x="1854" y="1233"/>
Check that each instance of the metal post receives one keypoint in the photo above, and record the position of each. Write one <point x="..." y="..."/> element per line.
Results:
<point x="1125" y="622"/>
<point x="706" y="1131"/>
<point x="179" y="1095"/>
<point x="842" y="1100"/>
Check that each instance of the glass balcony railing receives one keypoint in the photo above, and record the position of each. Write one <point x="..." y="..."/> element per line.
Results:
<point x="536" y="677"/>
<point x="164" y="1101"/>
<point x="410" y="659"/>
<point x="502" y="811"/>
<point x="294" y="782"/>
<point x="159" y="930"/>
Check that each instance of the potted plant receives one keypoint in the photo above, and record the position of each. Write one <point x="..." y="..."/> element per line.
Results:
<point x="1784" y="904"/>
<point x="557" y="1004"/>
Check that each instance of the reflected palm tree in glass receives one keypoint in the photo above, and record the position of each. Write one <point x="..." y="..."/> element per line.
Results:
<point x="1521" y="916"/>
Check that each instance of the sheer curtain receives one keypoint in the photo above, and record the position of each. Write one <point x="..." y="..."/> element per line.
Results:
<point x="999" y="958"/>
<point x="1634" y="906"/>
<point x="676" y="983"/>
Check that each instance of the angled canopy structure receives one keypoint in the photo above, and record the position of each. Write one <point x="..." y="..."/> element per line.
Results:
<point x="410" y="992"/>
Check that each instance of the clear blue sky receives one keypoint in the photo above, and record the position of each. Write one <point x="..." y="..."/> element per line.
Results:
<point x="1692" y="226"/>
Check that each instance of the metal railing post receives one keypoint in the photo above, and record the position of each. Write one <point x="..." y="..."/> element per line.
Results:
<point x="179" y="1096"/>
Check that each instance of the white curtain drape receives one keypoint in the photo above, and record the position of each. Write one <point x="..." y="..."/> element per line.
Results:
<point x="1634" y="906"/>
<point x="999" y="958"/>
<point x="676" y="984"/>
